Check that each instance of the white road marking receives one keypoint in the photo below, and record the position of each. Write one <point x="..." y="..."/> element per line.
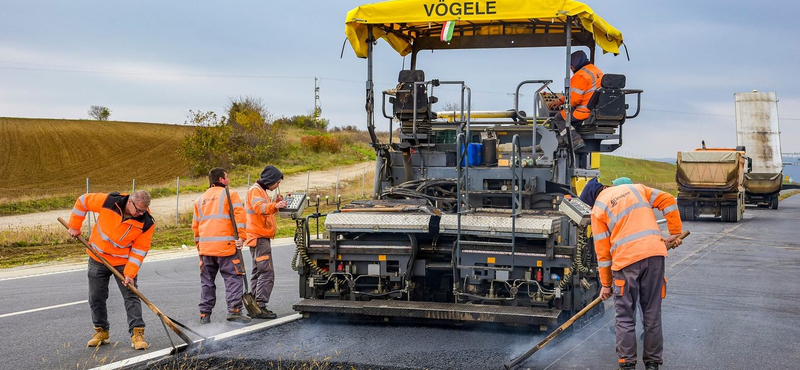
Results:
<point x="42" y="309"/>
<point x="165" y="352"/>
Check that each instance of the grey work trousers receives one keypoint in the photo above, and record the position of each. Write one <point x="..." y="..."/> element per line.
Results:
<point x="640" y="282"/>
<point x="263" y="272"/>
<point x="98" y="294"/>
<point x="231" y="272"/>
<point x="561" y="130"/>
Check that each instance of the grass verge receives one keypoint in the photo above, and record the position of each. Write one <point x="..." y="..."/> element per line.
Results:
<point x="38" y="245"/>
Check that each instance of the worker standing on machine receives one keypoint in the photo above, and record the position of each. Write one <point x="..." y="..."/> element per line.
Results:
<point x="261" y="229"/>
<point x="216" y="247"/>
<point x="585" y="80"/>
<point x="122" y="236"/>
<point x="630" y="257"/>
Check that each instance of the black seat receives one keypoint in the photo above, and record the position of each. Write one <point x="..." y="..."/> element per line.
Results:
<point x="403" y="103"/>
<point x="607" y="106"/>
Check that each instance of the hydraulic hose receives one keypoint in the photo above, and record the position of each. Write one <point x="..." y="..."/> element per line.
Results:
<point x="301" y="236"/>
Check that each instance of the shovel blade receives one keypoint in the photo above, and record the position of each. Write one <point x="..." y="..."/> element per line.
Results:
<point x="250" y="304"/>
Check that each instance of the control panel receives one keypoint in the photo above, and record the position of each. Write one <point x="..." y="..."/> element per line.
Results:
<point x="295" y="204"/>
<point x="577" y="211"/>
<point x="546" y="99"/>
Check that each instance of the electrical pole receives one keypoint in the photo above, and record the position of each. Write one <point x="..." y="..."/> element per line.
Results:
<point x="317" y="109"/>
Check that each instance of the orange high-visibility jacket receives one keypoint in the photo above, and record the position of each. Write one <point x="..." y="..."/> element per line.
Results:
<point x="582" y="86"/>
<point x="119" y="240"/>
<point x="625" y="229"/>
<point x="260" y="215"/>
<point x="212" y="226"/>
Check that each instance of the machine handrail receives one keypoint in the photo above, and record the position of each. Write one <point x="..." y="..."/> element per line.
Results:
<point x="516" y="192"/>
<point x="638" y="93"/>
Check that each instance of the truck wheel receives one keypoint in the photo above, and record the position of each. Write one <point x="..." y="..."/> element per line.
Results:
<point x="686" y="211"/>
<point x="725" y="212"/>
<point x="773" y="202"/>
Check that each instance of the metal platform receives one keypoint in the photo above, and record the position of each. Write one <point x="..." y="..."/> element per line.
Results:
<point x="378" y="222"/>
<point x="433" y="311"/>
<point x="480" y="223"/>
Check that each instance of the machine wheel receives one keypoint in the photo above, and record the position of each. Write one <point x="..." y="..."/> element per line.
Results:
<point x="773" y="202"/>
<point x="686" y="211"/>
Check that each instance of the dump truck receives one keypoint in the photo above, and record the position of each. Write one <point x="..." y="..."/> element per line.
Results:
<point x="758" y="129"/>
<point x="711" y="181"/>
<point x="469" y="221"/>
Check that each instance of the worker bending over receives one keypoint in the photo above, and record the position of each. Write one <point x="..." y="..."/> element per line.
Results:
<point x="122" y="236"/>
<point x="630" y="257"/>
<point x="217" y="245"/>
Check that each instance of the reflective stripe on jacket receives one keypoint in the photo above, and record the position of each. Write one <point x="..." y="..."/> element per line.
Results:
<point x="625" y="229"/>
<point x="260" y="215"/>
<point x="211" y="223"/>
<point x="582" y="86"/>
<point x="120" y="241"/>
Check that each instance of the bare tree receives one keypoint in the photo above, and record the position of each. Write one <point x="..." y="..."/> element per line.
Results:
<point x="99" y="112"/>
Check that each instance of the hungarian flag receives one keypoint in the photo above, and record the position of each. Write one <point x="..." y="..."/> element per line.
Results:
<point x="447" y="30"/>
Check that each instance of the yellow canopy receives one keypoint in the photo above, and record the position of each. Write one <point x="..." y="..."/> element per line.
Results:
<point x="403" y="22"/>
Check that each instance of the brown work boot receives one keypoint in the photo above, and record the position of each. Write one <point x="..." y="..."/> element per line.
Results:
<point x="99" y="338"/>
<point x="137" y="339"/>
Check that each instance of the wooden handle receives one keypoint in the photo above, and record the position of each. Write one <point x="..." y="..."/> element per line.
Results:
<point x="681" y="237"/>
<point x="515" y="362"/>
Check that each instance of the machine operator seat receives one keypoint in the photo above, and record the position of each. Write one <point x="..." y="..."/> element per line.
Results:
<point x="403" y="103"/>
<point x="607" y="106"/>
<point x="403" y="106"/>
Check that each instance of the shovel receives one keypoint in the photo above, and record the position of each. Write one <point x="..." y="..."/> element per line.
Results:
<point x="249" y="301"/>
<point x="166" y="320"/>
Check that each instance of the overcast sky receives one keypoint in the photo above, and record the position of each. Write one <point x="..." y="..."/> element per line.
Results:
<point x="153" y="61"/>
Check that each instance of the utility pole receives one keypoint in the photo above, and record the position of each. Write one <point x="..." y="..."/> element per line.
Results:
<point x="317" y="109"/>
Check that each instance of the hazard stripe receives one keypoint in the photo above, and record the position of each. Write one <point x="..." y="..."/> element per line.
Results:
<point x="634" y="237"/>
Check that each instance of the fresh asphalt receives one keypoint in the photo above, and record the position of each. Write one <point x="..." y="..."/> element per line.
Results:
<point x="733" y="302"/>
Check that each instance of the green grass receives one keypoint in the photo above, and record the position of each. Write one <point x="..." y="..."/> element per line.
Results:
<point x="654" y="174"/>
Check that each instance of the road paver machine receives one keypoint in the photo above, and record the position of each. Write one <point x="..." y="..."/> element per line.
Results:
<point x="469" y="221"/>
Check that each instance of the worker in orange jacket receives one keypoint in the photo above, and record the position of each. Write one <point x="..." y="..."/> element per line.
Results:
<point x="630" y="258"/>
<point x="261" y="229"/>
<point x="217" y="246"/>
<point x="122" y="236"/>
<point x="585" y="81"/>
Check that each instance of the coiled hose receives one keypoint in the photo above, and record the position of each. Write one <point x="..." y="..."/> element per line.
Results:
<point x="577" y="260"/>
<point x="300" y="241"/>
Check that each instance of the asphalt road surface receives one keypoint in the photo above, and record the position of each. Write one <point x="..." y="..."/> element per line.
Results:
<point x="733" y="302"/>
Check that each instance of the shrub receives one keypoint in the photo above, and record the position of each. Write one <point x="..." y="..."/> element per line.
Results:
<point x="321" y="143"/>
<point x="304" y="121"/>
<point x="245" y="137"/>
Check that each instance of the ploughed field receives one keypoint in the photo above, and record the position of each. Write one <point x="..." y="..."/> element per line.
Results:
<point x="48" y="157"/>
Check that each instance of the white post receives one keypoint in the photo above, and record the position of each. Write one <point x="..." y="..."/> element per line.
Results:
<point x="308" y="181"/>
<point x="133" y="188"/>
<point x="363" y="179"/>
<point x="337" y="182"/>
<point x="89" y="214"/>
<point x="177" y="202"/>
